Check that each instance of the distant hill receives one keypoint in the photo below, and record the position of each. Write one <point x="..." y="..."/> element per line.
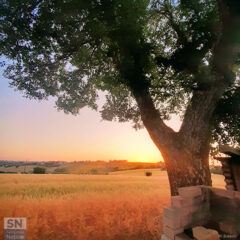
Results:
<point x="81" y="167"/>
<point x="102" y="167"/>
<point x="27" y="167"/>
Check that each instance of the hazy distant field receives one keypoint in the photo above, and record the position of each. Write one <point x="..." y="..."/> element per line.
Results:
<point x="125" y="205"/>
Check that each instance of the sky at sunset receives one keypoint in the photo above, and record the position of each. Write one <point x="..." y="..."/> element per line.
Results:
<point x="36" y="131"/>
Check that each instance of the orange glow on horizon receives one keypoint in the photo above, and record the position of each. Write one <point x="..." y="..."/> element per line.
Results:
<point x="43" y="134"/>
<point x="36" y="131"/>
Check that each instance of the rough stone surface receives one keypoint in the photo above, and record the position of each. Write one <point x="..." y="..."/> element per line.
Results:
<point x="237" y="194"/>
<point x="173" y="222"/>
<point x="171" y="232"/>
<point x="171" y="212"/>
<point x="187" y="210"/>
<point x="186" y="221"/>
<point x="164" y="237"/>
<point x="230" y="187"/>
<point x="228" y="181"/>
<point x="202" y="233"/>
<point x="223" y="192"/>
<point x="227" y="175"/>
<point x="190" y="191"/>
<point x="182" y="236"/>
<point x="202" y="205"/>
<point x="228" y="227"/>
<point x="177" y="201"/>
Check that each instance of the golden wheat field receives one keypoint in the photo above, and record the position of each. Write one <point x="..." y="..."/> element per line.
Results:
<point x="122" y="206"/>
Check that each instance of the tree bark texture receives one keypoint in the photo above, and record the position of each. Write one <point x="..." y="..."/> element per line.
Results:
<point x="187" y="166"/>
<point x="185" y="152"/>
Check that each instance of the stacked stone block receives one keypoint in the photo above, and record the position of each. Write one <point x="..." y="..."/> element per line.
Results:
<point x="189" y="209"/>
<point x="225" y="210"/>
<point x="201" y="206"/>
<point x="228" y="175"/>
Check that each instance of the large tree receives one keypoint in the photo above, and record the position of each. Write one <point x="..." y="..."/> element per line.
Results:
<point x="152" y="59"/>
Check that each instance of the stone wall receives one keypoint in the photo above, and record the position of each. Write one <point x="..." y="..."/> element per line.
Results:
<point x="201" y="206"/>
<point x="225" y="210"/>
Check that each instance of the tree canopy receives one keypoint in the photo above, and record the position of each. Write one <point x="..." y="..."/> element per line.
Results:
<point x="168" y="50"/>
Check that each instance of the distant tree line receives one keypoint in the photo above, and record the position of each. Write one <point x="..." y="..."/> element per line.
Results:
<point x="39" y="170"/>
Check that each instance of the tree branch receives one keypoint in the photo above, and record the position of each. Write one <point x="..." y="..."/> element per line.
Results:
<point x="227" y="47"/>
<point x="161" y="134"/>
<point x="199" y="114"/>
<point x="188" y="57"/>
<point x="190" y="49"/>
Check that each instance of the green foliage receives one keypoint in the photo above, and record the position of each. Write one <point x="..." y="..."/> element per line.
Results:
<point x="39" y="170"/>
<point x="60" y="171"/>
<point x="227" y="119"/>
<point x="74" y="49"/>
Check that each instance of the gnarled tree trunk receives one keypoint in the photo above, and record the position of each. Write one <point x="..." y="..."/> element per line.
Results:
<point x="185" y="167"/>
<point x="185" y="152"/>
